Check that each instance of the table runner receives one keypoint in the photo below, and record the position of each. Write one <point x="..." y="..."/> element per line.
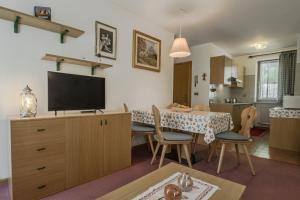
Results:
<point x="201" y="190"/>
<point x="207" y="123"/>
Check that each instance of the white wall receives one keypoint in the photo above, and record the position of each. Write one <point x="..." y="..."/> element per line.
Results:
<point x="21" y="64"/>
<point x="201" y="64"/>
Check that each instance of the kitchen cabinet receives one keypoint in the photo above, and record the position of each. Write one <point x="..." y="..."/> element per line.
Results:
<point x="235" y="109"/>
<point x="284" y="133"/>
<point x="222" y="71"/>
<point x="237" y="72"/>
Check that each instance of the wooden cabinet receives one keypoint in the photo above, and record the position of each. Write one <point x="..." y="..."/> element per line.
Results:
<point x="234" y="109"/>
<point x="50" y="155"/>
<point x="116" y="143"/>
<point x="284" y="134"/>
<point x="38" y="158"/>
<point x="222" y="71"/>
<point x="217" y="70"/>
<point x="84" y="146"/>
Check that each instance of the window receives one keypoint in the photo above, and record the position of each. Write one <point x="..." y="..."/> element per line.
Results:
<point x="267" y="82"/>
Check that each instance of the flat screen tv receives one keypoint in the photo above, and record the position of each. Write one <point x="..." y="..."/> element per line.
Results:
<point x="75" y="92"/>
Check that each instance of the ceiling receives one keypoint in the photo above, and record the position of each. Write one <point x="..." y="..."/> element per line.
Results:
<point x="233" y="25"/>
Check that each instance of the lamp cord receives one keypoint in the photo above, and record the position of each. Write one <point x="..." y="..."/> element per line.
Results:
<point x="180" y="30"/>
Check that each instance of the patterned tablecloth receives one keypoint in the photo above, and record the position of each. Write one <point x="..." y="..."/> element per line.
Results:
<point x="279" y="112"/>
<point x="207" y="123"/>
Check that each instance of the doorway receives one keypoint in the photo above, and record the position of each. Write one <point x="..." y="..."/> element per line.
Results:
<point x="182" y="83"/>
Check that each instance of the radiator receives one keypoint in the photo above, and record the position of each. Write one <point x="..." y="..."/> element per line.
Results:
<point x="262" y="109"/>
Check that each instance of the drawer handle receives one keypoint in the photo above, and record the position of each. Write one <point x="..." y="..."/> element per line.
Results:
<point x="41" y="149"/>
<point x="41" y="168"/>
<point x="41" y="187"/>
<point x="41" y="130"/>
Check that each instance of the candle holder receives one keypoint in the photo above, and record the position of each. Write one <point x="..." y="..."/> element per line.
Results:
<point x="28" y="107"/>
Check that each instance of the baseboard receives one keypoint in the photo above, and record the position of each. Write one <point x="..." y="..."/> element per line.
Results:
<point x="3" y="180"/>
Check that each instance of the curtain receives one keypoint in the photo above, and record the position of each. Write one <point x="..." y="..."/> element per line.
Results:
<point x="287" y="71"/>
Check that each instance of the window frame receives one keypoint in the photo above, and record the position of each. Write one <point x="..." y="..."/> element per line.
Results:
<point x="267" y="100"/>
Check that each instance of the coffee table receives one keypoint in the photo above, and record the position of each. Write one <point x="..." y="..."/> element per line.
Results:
<point x="228" y="190"/>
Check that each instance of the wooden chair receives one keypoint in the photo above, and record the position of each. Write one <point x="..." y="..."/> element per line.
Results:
<point x="201" y="107"/>
<point x="242" y="138"/>
<point x="142" y="130"/>
<point x="168" y="138"/>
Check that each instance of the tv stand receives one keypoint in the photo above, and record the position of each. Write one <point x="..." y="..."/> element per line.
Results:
<point x="88" y="111"/>
<point x="101" y="111"/>
<point x="105" y="138"/>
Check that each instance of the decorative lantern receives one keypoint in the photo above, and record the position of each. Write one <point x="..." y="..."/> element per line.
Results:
<point x="28" y="103"/>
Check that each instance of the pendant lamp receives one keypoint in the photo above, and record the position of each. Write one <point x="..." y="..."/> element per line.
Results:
<point x="180" y="47"/>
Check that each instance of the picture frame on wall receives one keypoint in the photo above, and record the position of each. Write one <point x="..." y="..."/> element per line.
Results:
<point x="146" y="51"/>
<point x="42" y="12"/>
<point x="106" y="40"/>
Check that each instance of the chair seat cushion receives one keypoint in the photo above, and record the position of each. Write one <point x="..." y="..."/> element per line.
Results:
<point x="174" y="136"/>
<point x="229" y="135"/>
<point x="136" y="127"/>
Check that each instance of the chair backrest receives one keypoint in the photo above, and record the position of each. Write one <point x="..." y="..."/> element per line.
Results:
<point x="157" y="120"/>
<point x="201" y="107"/>
<point x="247" y="120"/>
<point x="125" y="107"/>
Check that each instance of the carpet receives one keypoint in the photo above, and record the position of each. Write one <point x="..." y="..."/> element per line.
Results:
<point x="274" y="180"/>
<point x="258" y="131"/>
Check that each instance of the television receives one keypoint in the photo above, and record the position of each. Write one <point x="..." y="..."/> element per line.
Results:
<point x="75" y="92"/>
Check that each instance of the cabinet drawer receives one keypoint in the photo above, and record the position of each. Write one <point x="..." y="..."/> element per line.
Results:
<point x="33" y="132"/>
<point x="40" y="167"/>
<point x="36" y="187"/>
<point x="26" y="154"/>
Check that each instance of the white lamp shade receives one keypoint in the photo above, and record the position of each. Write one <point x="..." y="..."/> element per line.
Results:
<point x="180" y="48"/>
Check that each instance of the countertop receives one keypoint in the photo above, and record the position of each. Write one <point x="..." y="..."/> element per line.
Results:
<point x="279" y="112"/>
<point x="232" y="104"/>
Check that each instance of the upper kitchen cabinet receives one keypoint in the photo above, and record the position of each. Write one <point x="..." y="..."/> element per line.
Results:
<point x="239" y="74"/>
<point x="217" y="70"/>
<point x="223" y="72"/>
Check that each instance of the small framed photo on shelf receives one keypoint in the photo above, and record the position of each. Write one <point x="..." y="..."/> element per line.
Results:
<point x="42" y="12"/>
<point x="146" y="51"/>
<point x="106" y="41"/>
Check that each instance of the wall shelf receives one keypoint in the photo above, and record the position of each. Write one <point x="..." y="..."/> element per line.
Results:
<point x="75" y="61"/>
<point x="23" y="18"/>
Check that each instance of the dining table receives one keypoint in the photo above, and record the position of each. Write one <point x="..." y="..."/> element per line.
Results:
<point x="204" y="123"/>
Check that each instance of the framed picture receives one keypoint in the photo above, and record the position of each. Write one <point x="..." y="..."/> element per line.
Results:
<point x="106" y="40"/>
<point x="146" y="51"/>
<point x="42" y="12"/>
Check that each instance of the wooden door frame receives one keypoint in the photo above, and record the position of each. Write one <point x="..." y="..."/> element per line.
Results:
<point x="190" y="81"/>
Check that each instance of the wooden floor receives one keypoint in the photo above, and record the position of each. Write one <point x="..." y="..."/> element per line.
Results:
<point x="260" y="148"/>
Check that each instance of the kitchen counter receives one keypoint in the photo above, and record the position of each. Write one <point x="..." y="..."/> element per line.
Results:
<point x="284" y="129"/>
<point x="279" y="112"/>
<point x="235" y="109"/>
<point x="233" y="104"/>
